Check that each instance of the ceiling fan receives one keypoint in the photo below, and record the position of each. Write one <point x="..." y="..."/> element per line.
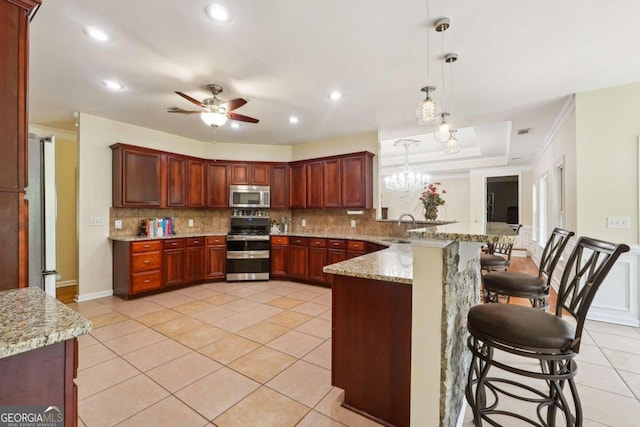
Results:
<point x="215" y="111"/>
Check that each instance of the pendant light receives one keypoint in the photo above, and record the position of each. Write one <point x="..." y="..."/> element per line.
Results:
<point x="452" y="145"/>
<point x="428" y="111"/>
<point x="442" y="133"/>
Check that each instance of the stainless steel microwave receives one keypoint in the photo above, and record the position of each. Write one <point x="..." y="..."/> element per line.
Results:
<point x="249" y="196"/>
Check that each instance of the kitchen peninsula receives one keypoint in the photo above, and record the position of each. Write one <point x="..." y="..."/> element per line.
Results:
<point x="392" y="310"/>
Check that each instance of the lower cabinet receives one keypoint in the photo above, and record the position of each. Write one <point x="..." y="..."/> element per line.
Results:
<point x="173" y="262"/>
<point x="194" y="270"/>
<point x="317" y="260"/>
<point x="298" y="258"/>
<point x="216" y="257"/>
<point x="279" y="257"/>
<point x="355" y="248"/>
<point x="137" y="267"/>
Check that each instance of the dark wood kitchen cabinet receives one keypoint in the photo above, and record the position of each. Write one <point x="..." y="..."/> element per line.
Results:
<point x="279" y="256"/>
<point x="195" y="266"/>
<point x="357" y="180"/>
<point x="139" y="177"/>
<point x="336" y="251"/>
<point x="173" y="258"/>
<point x="315" y="197"/>
<point x="137" y="267"/>
<point x="249" y="173"/>
<point x="14" y="69"/>
<point x="239" y="173"/>
<point x="317" y="260"/>
<point x="217" y="187"/>
<point x="260" y="174"/>
<point x="176" y="182"/>
<point x="355" y="248"/>
<point x="279" y="186"/>
<point x="297" y="185"/>
<point x="196" y="183"/>
<point x="331" y="183"/>
<point x="216" y="257"/>
<point x="298" y="258"/>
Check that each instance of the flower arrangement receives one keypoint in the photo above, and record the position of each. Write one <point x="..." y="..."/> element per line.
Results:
<point x="431" y="198"/>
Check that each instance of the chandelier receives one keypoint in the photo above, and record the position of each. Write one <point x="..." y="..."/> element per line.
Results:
<point x="406" y="184"/>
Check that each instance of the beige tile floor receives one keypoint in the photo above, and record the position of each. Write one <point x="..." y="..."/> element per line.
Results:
<point x="259" y="354"/>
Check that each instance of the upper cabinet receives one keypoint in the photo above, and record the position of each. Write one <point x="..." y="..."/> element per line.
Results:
<point x="196" y="183"/>
<point x="217" y="186"/>
<point x="279" y="186"/>
<point x="314" y="184"/>
<point x="138" y="177"/>
<point x="176" y="182"/>
<point x="331" y="183"/>
<point x="297" y="185"/>
<point x="260" y="174"/>
<point x="249" y="174"/>
<point x="357" y="180"/>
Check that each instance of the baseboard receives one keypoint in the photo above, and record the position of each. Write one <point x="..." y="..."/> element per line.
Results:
<point x="519" y="252"/>
<point x="65" y="283"/>
<point x="613" y="319"/>
<point x="94" y="295"/>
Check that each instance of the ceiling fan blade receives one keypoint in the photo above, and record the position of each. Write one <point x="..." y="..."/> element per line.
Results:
<point x="181" y="111"/>
<point x="241" y="118"/>
<point x="233" y="104"/>
<point x="190" y="99"/>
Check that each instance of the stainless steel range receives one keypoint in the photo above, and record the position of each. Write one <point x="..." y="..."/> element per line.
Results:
<point x="248" y="247"/>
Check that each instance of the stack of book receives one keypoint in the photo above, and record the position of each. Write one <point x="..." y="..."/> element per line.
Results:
<point x="159" y="227"/>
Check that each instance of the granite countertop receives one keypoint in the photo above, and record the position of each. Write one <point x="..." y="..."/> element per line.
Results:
<point x="31" y="319"/>
<point x="394" y="264"/>
<point x="175" y="236"/>
<point x="480" y="232"/>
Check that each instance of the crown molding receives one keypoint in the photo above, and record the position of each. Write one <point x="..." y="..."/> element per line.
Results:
<point x="567" y="109"/>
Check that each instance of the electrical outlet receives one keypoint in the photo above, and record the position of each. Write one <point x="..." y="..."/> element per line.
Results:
<point x="96" y="221"/>
<point x="618" y="222"/>
<point x="304" y="222"/>
<point x="190" y="223"/>
<point x="118" y="224"/>
<point x="353" y="223"/>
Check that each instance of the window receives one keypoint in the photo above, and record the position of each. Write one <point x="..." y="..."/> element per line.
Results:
<point x="534" y="212"/>
<point x="557" y="194"/>
<point x="543" y="205"/>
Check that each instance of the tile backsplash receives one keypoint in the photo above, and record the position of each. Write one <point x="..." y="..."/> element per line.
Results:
<point x="321" y="221"/>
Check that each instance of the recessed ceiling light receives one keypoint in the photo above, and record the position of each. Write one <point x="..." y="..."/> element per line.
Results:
<point x="293" y="119"/>
<point x="96" y="33"/>
<point x="218" y="13"/>
<point x="335" y="95"/>
<point x="113" y="85"/>
<point x="235" y="125"/>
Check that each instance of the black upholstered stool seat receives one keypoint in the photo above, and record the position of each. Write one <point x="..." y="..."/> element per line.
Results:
<point x="490" y="260"/>
<point x="515" y="283"/>
<point x="522" y="327"/>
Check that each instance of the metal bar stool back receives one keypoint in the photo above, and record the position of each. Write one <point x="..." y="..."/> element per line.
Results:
<point x="517" y="284"/>
<point x="497" y="256"/>
<point x="529" y="333"/>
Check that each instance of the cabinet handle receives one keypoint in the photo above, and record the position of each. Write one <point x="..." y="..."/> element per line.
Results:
<point x="146" y="261"/>
<point x="147" y="281"/>
<point x="336" y="244"/>
<point x="195" y="242"/>
<point x="174" y="243"/>
<point x="146" y="246"/>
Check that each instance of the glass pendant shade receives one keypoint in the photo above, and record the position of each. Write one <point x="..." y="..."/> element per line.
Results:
<point x="442" y="133"/>
<point x="428" y="112"/>
<point x="452" y="145"/>
<point x="214" y="118"/>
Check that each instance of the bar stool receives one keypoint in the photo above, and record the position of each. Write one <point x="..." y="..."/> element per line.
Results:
<point x="535" y="334"/>
<point x="536" y="288"/>
<point x="498" y="255"/>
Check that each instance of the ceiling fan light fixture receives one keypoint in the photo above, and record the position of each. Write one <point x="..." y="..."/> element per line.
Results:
<point x="213" y="118"/>
<point x="218" y="13"/>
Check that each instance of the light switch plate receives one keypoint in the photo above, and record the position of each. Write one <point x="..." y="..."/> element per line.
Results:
<point x="96" y="221"/>
<point x="618" y="222"/>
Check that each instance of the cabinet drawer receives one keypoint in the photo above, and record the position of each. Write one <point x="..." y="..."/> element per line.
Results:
<point x="299" y="241"/>
<point x="195" y="241"/>
<point x="336" y="244"/>
<point x="318" y="243"/>
<point x="216" y="241"/>
<point x="146" y="246"/>
<point x="355" y="245"/>
<point x="145" y="261"/>
<point x="173" y="243"/>
<point x="279" y="240"/>
<point x="146" y="281"/>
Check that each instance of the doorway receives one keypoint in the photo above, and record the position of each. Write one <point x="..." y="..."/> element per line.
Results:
<point x="503" y="199"/>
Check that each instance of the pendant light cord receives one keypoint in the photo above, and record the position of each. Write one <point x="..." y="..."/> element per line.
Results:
<point x="428" y="43"/>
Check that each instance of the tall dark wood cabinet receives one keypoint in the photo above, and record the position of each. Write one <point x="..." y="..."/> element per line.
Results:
<point x="176" y="182"/>
<point x="217" y="188"/>
<point x="357" y="180"/>
<point x="14" y="69"/>
<point x="314" y="184"/>
<point x="297" y="185"/>
<point x="196" y="184"/>
<point x="279" y="186"/>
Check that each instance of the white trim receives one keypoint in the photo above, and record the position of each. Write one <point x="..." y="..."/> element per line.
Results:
<point x="65" y="283"/>
<point x="567" y="108"/>
<point x="94" y="295"/>
<point x="67" y="135"/>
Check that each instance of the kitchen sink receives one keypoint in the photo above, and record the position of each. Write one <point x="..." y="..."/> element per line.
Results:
<point x="396" y="240"/>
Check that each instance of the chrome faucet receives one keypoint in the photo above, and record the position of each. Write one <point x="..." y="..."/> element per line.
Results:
<point x="413" y="220"/>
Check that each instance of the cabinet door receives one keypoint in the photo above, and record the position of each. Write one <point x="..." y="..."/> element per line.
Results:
<point x="298" y="185"/>
<point x="314" y="184"/>
<point x="217" y="188"/>
<point x="279" y="260"/>
<point x="298" y="259"/>
<point x="173" y="267"/>
<point x="357" y="181"/>
<point x="176" y="181"/>
<point x="279" y="187"/>
<point x="195" y="264"/>
<point x="239" y="173"/>
<point x="260" y="174"/>
<point x="140" y="183"/>
<point x="317" y="260"/>
<point x="331" y="183"/>
<point x="216" y="262"/>
<point x="335" y="255"/>
<point x="196" y="184"/>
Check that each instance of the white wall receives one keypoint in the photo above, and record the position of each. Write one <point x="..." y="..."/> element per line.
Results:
<point x="96" y="134"/>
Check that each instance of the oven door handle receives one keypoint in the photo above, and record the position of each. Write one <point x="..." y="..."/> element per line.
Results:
<point x="247" y="237"/>
<point x="247" y="254"/>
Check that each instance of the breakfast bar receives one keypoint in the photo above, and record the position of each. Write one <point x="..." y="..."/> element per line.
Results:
<point x="399" y="324"/>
